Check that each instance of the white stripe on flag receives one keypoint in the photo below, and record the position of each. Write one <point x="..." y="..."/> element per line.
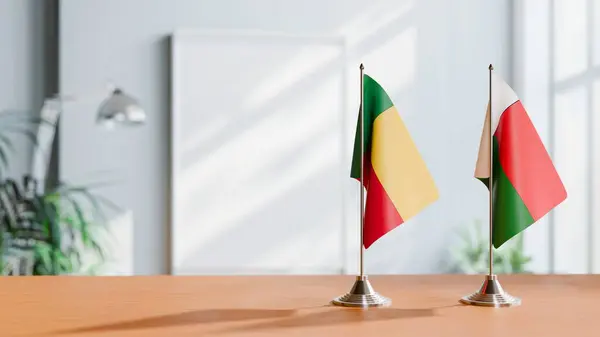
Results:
<point x="502" y="97"/>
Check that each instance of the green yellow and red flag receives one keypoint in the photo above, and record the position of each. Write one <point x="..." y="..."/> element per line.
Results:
<point x="525" y="184"/>
<point x="397" y="181"/>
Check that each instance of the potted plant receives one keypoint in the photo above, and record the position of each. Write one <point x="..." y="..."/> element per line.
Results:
<point x="47" y="232"/>
<point x="471" y="256"/>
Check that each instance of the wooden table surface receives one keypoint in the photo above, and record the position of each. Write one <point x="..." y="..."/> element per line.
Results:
<point x="424" y="306"/>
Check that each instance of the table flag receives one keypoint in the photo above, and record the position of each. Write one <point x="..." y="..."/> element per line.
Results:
<point x="397" y="181"/>
<point x="526" y="185"/>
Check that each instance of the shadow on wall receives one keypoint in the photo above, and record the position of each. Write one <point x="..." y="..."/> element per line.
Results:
<point x="414" y="63"/>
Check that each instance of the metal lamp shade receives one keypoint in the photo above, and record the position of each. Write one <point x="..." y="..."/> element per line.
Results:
<point x="120" y="109"/>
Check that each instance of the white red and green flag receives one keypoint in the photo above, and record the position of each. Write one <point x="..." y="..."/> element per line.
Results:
<point x="525" y="185"/>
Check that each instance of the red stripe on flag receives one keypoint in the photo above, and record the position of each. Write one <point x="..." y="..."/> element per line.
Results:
<point x="526" y="162"/>
<point x="381" y="215"/>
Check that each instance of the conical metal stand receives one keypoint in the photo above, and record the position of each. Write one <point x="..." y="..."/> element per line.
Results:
<point x="362" y="295"/>
<point x="491" y="294"/>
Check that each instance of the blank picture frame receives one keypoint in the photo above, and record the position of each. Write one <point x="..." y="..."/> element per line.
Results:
<point x="259" y="160"/>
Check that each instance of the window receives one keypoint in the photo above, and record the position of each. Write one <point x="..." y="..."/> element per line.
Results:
<point x="557" y="72"/>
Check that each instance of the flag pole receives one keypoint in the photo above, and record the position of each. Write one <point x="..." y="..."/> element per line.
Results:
<point x="491" y="181"/>
<point x="362" y="293"/>
<point x="362" y="171"/>
<point x="491" y="293"/>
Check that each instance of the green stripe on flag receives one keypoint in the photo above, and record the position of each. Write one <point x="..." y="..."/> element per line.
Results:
<point x="375" y="101"/>
<point x="511" y="216"/>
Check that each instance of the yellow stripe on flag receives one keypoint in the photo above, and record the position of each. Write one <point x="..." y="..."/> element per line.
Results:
<point x="399" y="166"/>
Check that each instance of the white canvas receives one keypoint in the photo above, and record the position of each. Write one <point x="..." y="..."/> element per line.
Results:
<point x="258" y="155"/>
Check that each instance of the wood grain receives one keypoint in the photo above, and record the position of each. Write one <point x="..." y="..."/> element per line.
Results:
<point x="292" y="306"/>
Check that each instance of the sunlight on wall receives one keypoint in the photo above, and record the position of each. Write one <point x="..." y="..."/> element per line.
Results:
<point x="394" y="64"/>
<point x="299" y="67"/>
<point x="272" y="140"/>
<point x="373" y="19"/>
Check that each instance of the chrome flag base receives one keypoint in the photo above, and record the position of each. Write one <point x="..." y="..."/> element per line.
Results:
<point x="362" y="295"/>
<point x="491" y="294"/>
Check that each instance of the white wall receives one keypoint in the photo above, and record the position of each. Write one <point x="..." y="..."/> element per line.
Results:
<point x="22" y="61"/>
<point x="431" y="56"/>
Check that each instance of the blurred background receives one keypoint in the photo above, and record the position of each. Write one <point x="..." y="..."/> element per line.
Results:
<point x="241" y="164"/>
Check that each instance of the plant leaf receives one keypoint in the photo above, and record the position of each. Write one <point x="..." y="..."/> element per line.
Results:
<point x="83" y="223"/>
<point x="63" y="263"/>
<point x="43" y="254"/>
<point x="75" y="258"/>
<point x="97" y="202"/>
<point x="99" y="250"/>
<point x="48" y="215"/>
<point x="472" y="253"/>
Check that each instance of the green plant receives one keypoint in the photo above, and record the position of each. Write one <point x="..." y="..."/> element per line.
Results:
<point x="472" y="255"/>
<point x="62" y="229"/>
<point x="80" y="233"/>
<point x="64" y="226"/>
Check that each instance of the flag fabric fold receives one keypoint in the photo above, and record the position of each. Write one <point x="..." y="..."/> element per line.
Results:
<point x="397" y="182"/>
<point x="526" y="186"/>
